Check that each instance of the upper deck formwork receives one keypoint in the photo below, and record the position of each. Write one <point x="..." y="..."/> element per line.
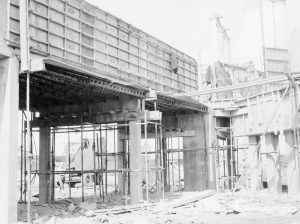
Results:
<point x="82" y="35"/>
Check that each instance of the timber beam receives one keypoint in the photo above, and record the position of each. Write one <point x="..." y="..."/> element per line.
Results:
<point x="129" y="105"/>
<point x="167" y="134"/>
<point x="72" y="119"/>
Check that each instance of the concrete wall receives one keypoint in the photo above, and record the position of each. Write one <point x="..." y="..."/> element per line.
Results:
<point x="262" y="114"/>
<point x="194" y="162"/>
<point x="9" y="95"/>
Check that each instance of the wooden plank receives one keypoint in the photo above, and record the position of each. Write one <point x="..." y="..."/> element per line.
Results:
<point x="195" y="196"/>
<point x="94" y="119"/>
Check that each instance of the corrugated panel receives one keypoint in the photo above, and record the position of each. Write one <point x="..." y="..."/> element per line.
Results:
<point x="84" y="35"/>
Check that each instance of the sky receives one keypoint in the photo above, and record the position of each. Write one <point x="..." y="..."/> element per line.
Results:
<point x="187" y="24"/>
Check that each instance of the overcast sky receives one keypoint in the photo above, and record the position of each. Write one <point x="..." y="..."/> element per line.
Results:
<point x="186" y="24"/>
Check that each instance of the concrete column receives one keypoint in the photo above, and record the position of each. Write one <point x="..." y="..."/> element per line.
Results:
<point x="9" y="104"/>
<point x="210" y="140"/>
<point x="121" y="176"/>
<point x="274" y="185"/>
<point x="255" y="181"/>
<point x="194" y="162"/>
<point x="44" y="165"/>
<point x="292" y="174"/>
<point x="135" y="157"/>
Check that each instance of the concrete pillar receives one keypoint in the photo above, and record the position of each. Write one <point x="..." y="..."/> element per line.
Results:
<point x="44" y="165"/>
<point x="9" y="104"/>
<point x="121" y="176"/>
<point x="274" y="185"/>
<point x="292" y="174"/>
<point x="135" y="157"/>
<point x="254" y="175"/>
<point x="211" y="141"/>
<point x="194" y="162"/>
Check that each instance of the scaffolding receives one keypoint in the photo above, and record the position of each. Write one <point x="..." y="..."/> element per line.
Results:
<point x="104" y="159"/>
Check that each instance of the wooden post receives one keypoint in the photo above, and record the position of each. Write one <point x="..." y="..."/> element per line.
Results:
<point x="9" y="103"/>
<point x="135" y="148"/>
<point x="44" y="165"/>
<point x="120" y="149"/>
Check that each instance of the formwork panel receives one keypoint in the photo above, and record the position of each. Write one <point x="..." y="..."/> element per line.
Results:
<point x="72" y="23"/>
<point x="56" y="16"/>
<point x="56" y="51"/>
<point x="86" y="36"/>
<point x="56" y="4"/>
<point x="72" y="11"/>
<point x="56" y="41"/>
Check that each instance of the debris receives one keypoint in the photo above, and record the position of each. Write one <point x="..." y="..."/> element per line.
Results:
<point x="124" y="209"/>
<point x="52" y="220"/>
<point x="210" y="204"/>
<point x="89" y="213"/>
<point x="64" y="213"/>
<point x="81" y="211"/>
<point x="71" y="207"/>
<point x="88" y="205"/>
<point x="189" y="199"/>
<point x="233" y="212"/>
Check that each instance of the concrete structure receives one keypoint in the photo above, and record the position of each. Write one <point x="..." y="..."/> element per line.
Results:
<point x="9" y="70"/>
<point x="265" y="127"/>
<point x="66" y="94"/>
<point x="9" y="100"/>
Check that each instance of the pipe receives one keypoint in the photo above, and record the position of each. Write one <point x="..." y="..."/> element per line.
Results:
<point x="28" y="141"/>
<point x="115" y="160"/>
<point x="106" y="159"/>
<point x="82" y="177"/>
<point x="21" y="181"/>
<point x="69" y="163"/>
<point x="146" y="151"/>
<point x="94" y="165"/>
<point x="101" y="158"/>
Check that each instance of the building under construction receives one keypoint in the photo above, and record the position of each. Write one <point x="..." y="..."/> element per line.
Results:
<point x="133" y="102"/>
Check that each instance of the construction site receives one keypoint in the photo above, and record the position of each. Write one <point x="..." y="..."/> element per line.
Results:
<point x="101" y="122"/>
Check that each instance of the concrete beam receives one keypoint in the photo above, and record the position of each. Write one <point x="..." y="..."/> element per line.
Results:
<point x="9" y="103"/>
<point x="135" y="156"/>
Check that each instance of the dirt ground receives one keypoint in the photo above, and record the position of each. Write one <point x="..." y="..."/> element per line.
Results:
<point x="240" y="207"/>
